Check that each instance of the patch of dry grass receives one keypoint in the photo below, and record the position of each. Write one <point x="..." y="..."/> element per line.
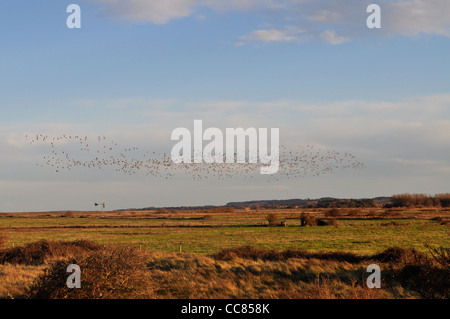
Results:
<point x="244" y="272"/>
<point x="39" y="252"/>
<point x="15" y="279"/>
<point x="3" y="240"/>
<point x="193" y="277"/>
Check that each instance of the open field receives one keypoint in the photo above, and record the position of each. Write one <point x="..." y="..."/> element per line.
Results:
<point x="180" y="250"/>
<point x="360" y="231"/>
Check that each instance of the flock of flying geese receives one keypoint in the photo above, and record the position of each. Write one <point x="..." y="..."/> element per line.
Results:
<point x="101" y="153"/>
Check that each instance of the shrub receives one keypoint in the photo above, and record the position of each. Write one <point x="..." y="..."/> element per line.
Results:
<point x="400" y="255"/>
<point x="429" y="277"/>
<point x="441" y="256"/>
<point x="334" y="212"/>
<point x="273" y="220"/>
<point x="427" y="280"/>
<point x="327" y="222"/>
<point x="308" y="220"/>
<point x="109" y="273"/>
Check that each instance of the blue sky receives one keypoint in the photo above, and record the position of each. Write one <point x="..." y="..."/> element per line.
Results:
<point x="138" y="69"/>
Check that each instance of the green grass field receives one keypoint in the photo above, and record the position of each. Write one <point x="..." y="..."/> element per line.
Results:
<point x="196" y="233"/>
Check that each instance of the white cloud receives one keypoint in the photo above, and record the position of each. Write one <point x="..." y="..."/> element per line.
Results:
<point x="347" y="17"/>
<point x="243" y="5"/>
<point x="330" y="37"/>
<point x="418" y="16"/>
<point x="271" y="35"/>
<point x="325" y="16"/>
<point x="162" y="11"/>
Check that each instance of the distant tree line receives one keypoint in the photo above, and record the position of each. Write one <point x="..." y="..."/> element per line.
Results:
<point x="399" y="200"/>
<point x="326" y="202"/>
<point x="420" y="200"/>
<point x="345" y="203"/>
<point x="202" y="210"/>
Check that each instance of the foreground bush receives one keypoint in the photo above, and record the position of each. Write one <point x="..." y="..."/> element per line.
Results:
<point x="39" y="252"/>
<point x="401" y="255"/>
<point x="430" y="277"/>
<point x="109" y="273"/>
